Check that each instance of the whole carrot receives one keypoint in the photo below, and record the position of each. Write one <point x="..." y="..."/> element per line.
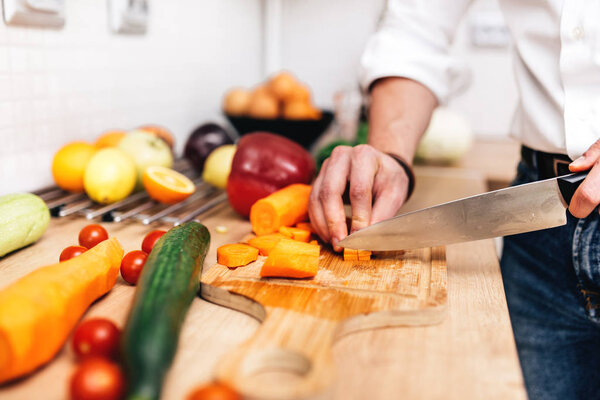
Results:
<point x="38" y="311"/>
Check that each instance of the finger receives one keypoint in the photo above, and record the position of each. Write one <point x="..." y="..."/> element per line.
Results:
<point x="587" y="160"/>
<point x="362" y="173"/>
<point x="332" y="189"/>
<point x="389" y="191"/>
<point x="315" y="209"/>
<point x="587" y="196"/>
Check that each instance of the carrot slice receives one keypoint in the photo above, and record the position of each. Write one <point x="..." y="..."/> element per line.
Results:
<point x="285" y="207"/>
<point x="266" y="243"/>
<point x="356" y="255"/>
<point x="295" y="233"/>
<point x="314" y="242"/>
<point x="292" y="259"/>
<point x="364" y="255"/>
<point x="306" y="226"/>
<point x="350" y="255"/>
<point x="236" y="254"/>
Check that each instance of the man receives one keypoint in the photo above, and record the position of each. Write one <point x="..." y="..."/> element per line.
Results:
<point x="551" y="277"/>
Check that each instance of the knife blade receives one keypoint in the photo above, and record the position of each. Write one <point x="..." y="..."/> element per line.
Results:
<point x="517" y="209"/>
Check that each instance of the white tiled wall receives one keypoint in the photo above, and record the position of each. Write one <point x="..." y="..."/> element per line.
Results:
<point x="74" y="83"/>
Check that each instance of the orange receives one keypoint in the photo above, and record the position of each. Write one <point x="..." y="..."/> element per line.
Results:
<point x="236" y="101"/>
<point x="69" y="165"/>
<point x="166" y="185"/>
<point x="300" y="92"/>
<point x="263" y="105"/>
<point x="110" y="139"/>
<point x="300" y="110"/>
<point x="282" y="85"/>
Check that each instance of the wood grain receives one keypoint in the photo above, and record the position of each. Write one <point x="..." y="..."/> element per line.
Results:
<point x="302" y="318"/>
<point x="470" y="355"/>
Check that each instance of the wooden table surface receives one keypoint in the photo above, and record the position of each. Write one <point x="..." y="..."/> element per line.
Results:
<point x="471" y="355"/>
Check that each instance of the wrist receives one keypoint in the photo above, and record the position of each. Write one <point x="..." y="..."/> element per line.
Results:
<point x="408" y="170"/>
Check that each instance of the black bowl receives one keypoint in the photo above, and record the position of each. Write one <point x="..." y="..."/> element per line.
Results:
<point x="304" y="132"/>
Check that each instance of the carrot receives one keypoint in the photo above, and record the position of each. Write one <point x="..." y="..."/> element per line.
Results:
<point x="314" y="242"/>
<point x="306" y="226"/>
<point x="39" y="310"/>
<point x="356" y="255"/>
<point x="266" y="243"/>
<point x="285" y="207"/>
<point x="350" y="255"/>
<point x="364" y="255"/>
<point x="295" y="233"/>
<point x="292" y="259"/>
<point x="236" y="254"/>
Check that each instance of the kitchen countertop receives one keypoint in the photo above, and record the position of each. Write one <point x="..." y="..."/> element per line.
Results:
<point x="470" y="355"/>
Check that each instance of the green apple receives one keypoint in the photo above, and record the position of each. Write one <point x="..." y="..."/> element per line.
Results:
<point x="146" y="150"/>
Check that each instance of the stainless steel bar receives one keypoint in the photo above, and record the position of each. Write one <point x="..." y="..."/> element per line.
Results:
<point x="52" y="194"/>
<point x="43" y="190"/>
<point x="75" y="208"/>
<point x="65" y="200"/>
<point x="134" y="211"/>
<point x="202" y="209"/>
<point x="133" y="198"/>
<point x="175" y="207"/>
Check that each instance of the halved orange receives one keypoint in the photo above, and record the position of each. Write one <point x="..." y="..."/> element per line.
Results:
<point x="166" y="185"/>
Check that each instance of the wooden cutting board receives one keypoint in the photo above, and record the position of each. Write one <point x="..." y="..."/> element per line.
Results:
<point x="290" y="354"/>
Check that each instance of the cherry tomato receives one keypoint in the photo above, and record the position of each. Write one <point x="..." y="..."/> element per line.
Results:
<point x="91" y="235"/>
<point x="150" y="240"/>
<point x="97" y="379"/>
<point x="96" y="337"/>
<point x="214" y="391"/>
<point x="132" y="265"/>
<point x="70" y="252"/>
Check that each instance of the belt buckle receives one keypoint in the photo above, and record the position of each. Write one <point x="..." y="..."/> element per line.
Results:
<point x="556" y="163"/>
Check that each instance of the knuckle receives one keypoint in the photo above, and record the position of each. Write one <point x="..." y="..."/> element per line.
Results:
<point x="588" y="194"/>
<point x="363" y="150"/>
<point x="358" y="191"/>
<point x="326" y="193"/>
<point x="339" y="151"/>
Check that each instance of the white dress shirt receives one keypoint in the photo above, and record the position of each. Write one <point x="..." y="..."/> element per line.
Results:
<point x="556" y="57"/>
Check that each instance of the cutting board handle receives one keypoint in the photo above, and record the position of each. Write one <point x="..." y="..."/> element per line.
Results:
<point x="287" y="358"/>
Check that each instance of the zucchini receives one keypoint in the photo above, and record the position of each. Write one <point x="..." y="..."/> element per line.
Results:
<point x="168" y="284"/>
<point x="24" y="218"/>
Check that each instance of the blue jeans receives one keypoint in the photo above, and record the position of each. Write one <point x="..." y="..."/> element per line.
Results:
<point x="552" y="284"/>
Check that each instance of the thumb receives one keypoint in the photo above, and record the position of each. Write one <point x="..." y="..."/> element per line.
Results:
<point x="587" y="160"/>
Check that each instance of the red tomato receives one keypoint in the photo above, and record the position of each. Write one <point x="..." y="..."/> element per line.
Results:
<point x="96" y="337"/>
<point x="150" y="240"/>
<point x="132" y="265"/>
<point x="214" y="391"/>
<point x="70" y="252"/>
<point x="97" y="379"/>
<point x="91" y="235"/>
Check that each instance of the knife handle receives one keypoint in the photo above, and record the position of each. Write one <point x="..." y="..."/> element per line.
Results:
<point x="568" y="184"/>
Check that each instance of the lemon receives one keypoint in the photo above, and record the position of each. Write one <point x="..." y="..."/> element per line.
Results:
<point x="218" y="165"/>
<point x="68" y="165"/>
<point x="110" y="176"/>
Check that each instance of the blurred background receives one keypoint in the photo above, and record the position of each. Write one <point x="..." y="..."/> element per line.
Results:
<point x="174" y="65"/>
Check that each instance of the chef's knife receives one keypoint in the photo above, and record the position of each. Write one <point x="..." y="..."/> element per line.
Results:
<point x="517" y="209"/>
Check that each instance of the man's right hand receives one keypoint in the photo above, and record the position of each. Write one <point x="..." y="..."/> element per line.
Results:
<point x="378" y="187"/>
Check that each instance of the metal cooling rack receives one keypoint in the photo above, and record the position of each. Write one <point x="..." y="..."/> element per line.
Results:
<point x="139" y="206"/>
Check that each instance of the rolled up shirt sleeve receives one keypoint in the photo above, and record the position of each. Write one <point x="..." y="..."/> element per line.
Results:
<point x="413" y="41"/>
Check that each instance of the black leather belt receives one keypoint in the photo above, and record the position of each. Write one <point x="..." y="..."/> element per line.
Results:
<point x="548" y="165"/>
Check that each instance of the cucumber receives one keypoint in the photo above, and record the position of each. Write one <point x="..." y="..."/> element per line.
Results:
<point x="24" y="218"/>
<point x="168" y="284"/>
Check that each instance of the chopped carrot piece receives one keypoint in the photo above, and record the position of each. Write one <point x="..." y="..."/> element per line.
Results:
<point x="306" y="226"/>
<point x="364" y="255"/>
<point x="295" y="233"/>
<point x="266" y="243"/>
<point x="350" y="255"/>
<point x="356" y="255"/>
<point x="292" y="259"/>
<point x="236" y="254"/>
<point x="285" y="207"/>
<point x="314" y="242"/>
